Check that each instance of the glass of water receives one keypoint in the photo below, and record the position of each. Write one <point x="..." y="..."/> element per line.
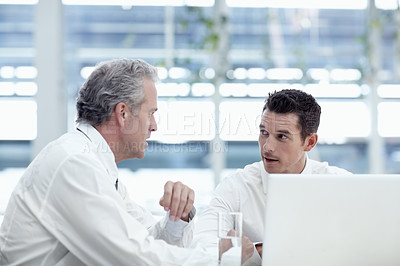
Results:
<point x="230" y="238"/>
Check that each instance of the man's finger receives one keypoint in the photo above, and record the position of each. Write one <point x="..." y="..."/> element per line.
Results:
<point x="165" y="200"/>
<point x="182" y="203"/>
<point x="175" y="201"/>
<point x="189" y="203"/>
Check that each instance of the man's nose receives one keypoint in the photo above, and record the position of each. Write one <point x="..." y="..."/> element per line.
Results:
<point x="269" y="145"/>
<point x="153" y="124"/>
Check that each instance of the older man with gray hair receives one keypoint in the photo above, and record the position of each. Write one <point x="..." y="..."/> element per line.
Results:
<point x="69" y="209"/>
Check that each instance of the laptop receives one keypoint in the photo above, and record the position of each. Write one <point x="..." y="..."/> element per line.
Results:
<point x="331" y="220"/>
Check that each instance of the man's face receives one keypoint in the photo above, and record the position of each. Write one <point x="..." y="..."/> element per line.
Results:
<point x="138" y="127"/>
<point x="281" y="146"/>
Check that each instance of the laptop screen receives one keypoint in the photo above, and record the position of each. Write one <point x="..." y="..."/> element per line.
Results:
<point x="332" y="220"/>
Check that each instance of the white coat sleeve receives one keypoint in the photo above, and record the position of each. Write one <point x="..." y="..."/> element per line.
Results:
<point x="226" y="198"/>
<point x="178" y="233"/>
<point x="205" y="232"/>
<point x="85" y="213"/>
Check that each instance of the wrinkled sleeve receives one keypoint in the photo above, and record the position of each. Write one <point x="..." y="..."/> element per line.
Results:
<point x="226" y="198"/>
<point x="178" y="233"/>
<point x="254" y="260"/>
<point x="87" y="215"/>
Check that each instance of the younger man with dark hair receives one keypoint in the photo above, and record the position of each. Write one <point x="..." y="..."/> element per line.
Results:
<point x="288" y="130"/>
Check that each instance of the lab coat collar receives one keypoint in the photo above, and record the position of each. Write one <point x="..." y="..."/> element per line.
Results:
<point x="99" y="145"/>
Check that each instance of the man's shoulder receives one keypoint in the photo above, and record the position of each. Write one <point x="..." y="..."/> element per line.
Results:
<point x="317" y="167"/>
<point x="69" y="143"/>
<point x="249" y="174"/>
<point x="244" y="181"/>
<point x="253" y="169"/>
<point x="68" y="146"/>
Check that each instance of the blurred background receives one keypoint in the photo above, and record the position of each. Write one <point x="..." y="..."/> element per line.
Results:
<point x="217" y="61"/>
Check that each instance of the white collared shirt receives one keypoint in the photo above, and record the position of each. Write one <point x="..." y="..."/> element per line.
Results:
<point x="66" y="210"/>
<point x="245" y="191"/>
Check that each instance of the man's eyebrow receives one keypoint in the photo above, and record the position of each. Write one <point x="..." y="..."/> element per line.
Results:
<point x="283" y="131"/>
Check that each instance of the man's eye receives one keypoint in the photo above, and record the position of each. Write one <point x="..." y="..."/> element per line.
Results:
<point x="282" y="137"/>
<point x="263" y="132"/>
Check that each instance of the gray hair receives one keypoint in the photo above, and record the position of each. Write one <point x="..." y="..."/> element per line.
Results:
<point x="112" y="82"/>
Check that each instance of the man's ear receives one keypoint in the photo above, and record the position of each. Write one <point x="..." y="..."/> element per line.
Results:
<point x="121" y="112"/>
<point x="311" y="141"/>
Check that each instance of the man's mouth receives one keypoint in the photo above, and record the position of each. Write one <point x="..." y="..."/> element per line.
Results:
<point x="270" y="159"/>
<point x="145" y="142"/>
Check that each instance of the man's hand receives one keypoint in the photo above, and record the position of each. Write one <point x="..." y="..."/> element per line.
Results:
<point x="178" y="199"/>
<point x="259" y="248"/>
<point x="247" y="246"/>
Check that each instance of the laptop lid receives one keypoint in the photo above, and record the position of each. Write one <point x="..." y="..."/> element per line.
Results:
<point x="332" y="220"/>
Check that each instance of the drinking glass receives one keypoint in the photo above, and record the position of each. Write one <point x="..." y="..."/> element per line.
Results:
<point x="230" y="238"/>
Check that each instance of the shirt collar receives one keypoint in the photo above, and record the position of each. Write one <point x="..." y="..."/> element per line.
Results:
<point x="99" y="146"/>
<point x="264" y="175"/>
<point x="307" y="168"/>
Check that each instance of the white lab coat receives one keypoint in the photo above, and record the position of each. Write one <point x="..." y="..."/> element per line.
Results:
<point x="66" y="210"/>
